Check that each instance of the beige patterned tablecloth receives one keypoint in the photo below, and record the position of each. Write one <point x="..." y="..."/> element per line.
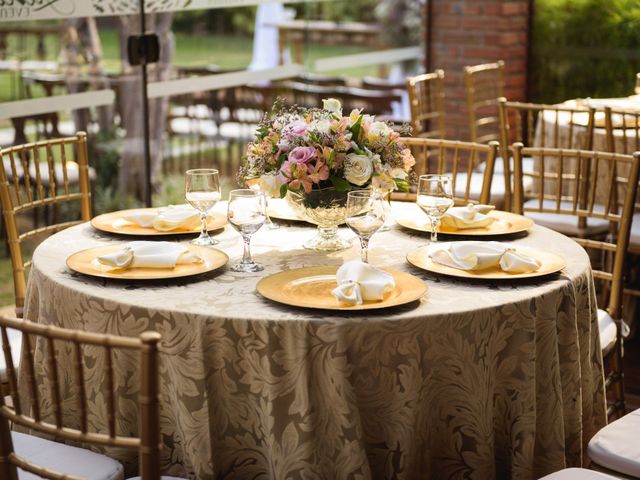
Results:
<point x="478" y="380"/>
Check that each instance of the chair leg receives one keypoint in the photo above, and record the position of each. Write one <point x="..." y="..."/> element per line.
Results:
<point x="615" y="380"/>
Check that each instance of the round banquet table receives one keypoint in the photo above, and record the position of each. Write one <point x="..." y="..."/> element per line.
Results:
<point x="478" y="379"/>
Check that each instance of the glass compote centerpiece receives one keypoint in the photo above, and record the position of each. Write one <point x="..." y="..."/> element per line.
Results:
<point x="316" y="155"/>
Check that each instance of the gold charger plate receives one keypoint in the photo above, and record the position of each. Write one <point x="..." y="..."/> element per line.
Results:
<point x="85" y="262"/>
<point x="550" y="263"/>
<point x="106" y="223"/>
<point x="311" y="288"/>
<point x="505" y="224"/>
<point x="279" y="209"/>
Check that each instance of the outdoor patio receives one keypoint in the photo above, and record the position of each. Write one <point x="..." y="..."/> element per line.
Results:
<point x="320" y="239"/>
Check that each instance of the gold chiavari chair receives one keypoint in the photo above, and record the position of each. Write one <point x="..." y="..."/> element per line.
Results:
<point x="458" y="159"/>
<point x="50" y="459"/>
<point x="622" y="130"/>
<point x="577" y="178"/>
<point x="484" y="85"/>
<point x="54" y="165"/>
<point x="426" y="100"/>
<point x="545" y="126"/>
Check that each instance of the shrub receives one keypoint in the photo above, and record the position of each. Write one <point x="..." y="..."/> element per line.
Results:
<point x="584" y="48"/>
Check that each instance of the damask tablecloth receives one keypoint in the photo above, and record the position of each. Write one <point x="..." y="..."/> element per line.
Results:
<point x="477" y="380"/>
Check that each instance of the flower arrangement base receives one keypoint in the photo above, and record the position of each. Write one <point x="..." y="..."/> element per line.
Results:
<point x="327" y="208"/>
<point x="327" y="240"/>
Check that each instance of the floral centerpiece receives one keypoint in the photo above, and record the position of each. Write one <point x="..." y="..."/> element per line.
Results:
<point x="315" y="156"/>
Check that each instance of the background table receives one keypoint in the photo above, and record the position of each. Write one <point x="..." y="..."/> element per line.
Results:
<point x="481" y="380"/>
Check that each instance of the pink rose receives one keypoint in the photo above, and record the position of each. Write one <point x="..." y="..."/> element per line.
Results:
<point x="294" y="129"/>
<point x="302" y="155"/>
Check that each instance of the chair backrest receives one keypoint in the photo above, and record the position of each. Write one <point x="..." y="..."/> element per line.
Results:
<point x="637" y="87"/>
<point x="44" y="344"/>
<point x="322" y="80"/>
<point x="570" y="182"/>
<point x="38" y="177"/>
<point x="484" y="85"/>
<point x="426" y="101"/>
<point x="622" y="129"/>
<point x="547" y="126"/>
<point x="458" y="159"/>
<point x="375" y="83"/>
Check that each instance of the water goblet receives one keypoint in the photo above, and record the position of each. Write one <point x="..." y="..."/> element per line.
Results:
<point x="246" y="213"/>
<point x="365" y="216"/>
<point x="202" y="192"/>
<point x="257" y="185"/>
<point x="435" y="197"/>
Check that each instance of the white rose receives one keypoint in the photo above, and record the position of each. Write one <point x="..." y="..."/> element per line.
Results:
<point x="269" y="185"/>
<point x="321" y="126"/>
<point x="398" y="173"/>
<point x="332" y="105"/>
<point x="358" y="169"/>
<point x="379" y="129"/>
<point x="376" y="161"/>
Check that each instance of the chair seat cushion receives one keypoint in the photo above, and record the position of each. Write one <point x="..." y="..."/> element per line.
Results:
<point x="475" y="187"/>
<point x="564" y="222"/>
<point x="73" y="173"/>
<point x="163" y="477"/>
<point x="616" y="446"/>
<point x="6" y="164"/>
<point x="634" y="237"/>
<point x="63" y="458"/>
<point x="608" y="330"/>
<point x="528" y="165"/>
<point x="15" y="343"/>
<point x="577" y="474"/>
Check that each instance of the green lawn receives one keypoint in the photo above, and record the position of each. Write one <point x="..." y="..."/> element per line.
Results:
<point x="226" y="51"/>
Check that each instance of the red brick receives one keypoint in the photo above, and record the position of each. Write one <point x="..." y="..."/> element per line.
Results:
<point x="468" y="32"/>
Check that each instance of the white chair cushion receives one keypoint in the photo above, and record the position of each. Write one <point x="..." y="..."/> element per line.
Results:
<point x="634" y="237"/>
<point x="564" y="222"/>
<point x="64" y="459"/>
<point x="578" y="474"/>
<point x="528" y="165"/>
<point x="15" y="343"/>
<point x="163" y="477"/>
<point x="73" y="173"/>
<point x="6" y="164"/>
<point x="616" y="446"/>
<point x="475" y="188"/>
<point x="608" y="330"/>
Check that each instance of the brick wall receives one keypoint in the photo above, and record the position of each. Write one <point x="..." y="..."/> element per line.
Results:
<point x="470" y="32"/>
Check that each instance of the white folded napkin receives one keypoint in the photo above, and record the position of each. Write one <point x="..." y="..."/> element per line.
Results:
<point x="359" y="282"/>
<point x="164" y="219"/>
<point x="471" y="216"/>
<point x="173" y="217"/>
<point x="483" y="255"/>
<point x="144" y="254"/>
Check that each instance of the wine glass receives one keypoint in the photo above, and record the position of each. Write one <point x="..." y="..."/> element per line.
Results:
<point x="202" y="191"/>
<point x="365" y="216"/>
<point x="435" y="197"/>
<point x="254" y="184"/>
<point x="246" y="213"/>
<point x="386" y="202"/>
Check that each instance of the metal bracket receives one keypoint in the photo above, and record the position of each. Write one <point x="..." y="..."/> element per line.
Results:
<point x="143" y="49"/>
